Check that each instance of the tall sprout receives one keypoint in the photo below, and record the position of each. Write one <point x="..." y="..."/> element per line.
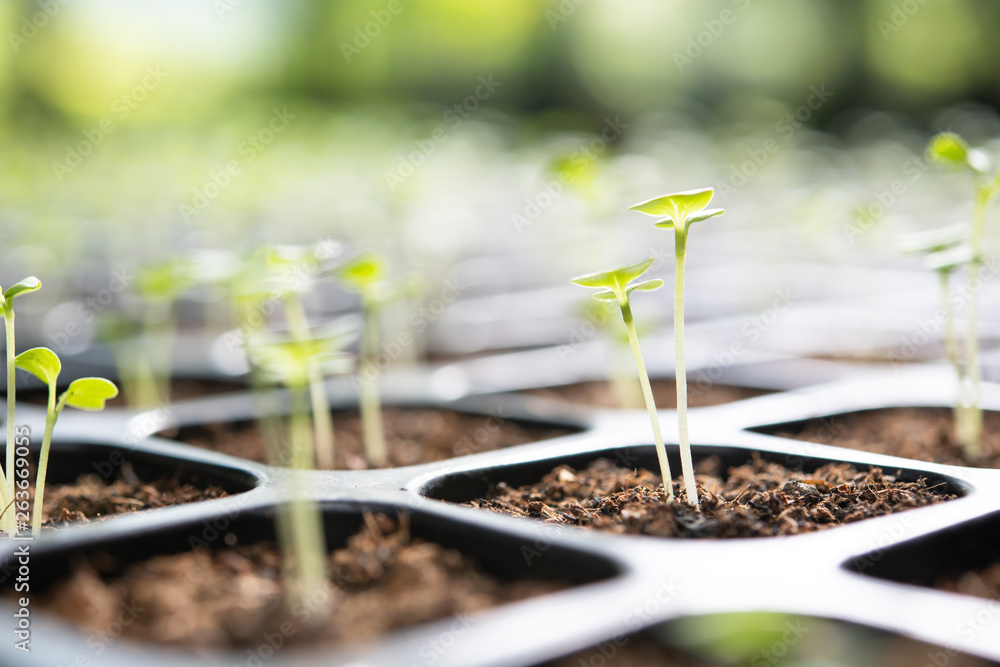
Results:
<point x="679" y="211"/>
<point x="947" y="250"/>
<point x="367" y="275"/>
<point x="949" y="149"/>
<point x="25" y="286"/>
<point x="293" y="362"/>
<point x="617" y="286"/>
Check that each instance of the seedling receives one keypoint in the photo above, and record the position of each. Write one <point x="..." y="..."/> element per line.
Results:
<point x="952" y="150"/>
<point x="159" y="286"/>
<point x="946" y="250"/>
<point x="617" y="285"/>
<point x="29" y="284"/>
<point x="366" y="275"/>
<point x="85" y="393"/>
<point x="300" y="527"/>
<point x="681" y="210"/>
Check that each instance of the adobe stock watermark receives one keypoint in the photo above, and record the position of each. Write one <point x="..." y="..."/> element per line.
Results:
<point x="704" y="39"/>
<point x="899" y="16"/>
<point x="773" y="654"/>
<point x="588" y="152"/>
<point x="32" y="25"/>
<point x="366" y="33"/>
<point x="121" y="108"/>
<point x="884" y="199"/>
<point x="417" y="322"/>
<point x="751" y="330"/>
<point x="785" y="127"/>
<point x="451" y="120"/>
<point x="930" y="329"/>
<point x="246" y="152"/>
<point x="89" y="308"/>
<point x="562" y="12"/>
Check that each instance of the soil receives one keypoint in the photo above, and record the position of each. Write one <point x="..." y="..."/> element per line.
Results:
<point x="757" y="499"/>
<point x="413" y="435"/>
<point x="91" y="498"/>
<point x="234" y="597"/>
<point x="924" y="434"/>
<point x="602" y="394"/>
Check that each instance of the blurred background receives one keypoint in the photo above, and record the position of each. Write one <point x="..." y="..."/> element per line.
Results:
<point x="496" y="144"/>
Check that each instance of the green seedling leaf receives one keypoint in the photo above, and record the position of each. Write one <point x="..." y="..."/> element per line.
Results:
<point x="614" y="285"/>
<point x="89" y="393"/>
<point x="362" y="272"/>
<point x="167" y="280"/>
<point x="40" y="362"/>
<point x="29" y="284"/>
<point x="948" y="148"/>
<point x="949" y="259"/>
<point x="679" y="208"/>
<point x="290" y="361"/>
<point x="935" y="240"/>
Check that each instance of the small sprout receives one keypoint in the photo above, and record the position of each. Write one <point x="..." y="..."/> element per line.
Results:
<point x="681" y="210"/>
<point x="366" y="274"/>
<point x="617" y="286"/>
<point x="29" y="284"/>
<point x="951" y="150"/>
<point x="147" y="370"/>
<point x="88" y="393"/>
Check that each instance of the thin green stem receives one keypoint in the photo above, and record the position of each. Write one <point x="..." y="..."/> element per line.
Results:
<point x="952" y="353"/>
<point x="973" y="422"/>
<point x="51" y="415"/>
<point x="680" y="372"/>
<point x="647" y="394"/>
<point x="323" y="436"/>
<point x="8" y="318"/>
<point x="305" y="552"/>
<point x="370" y="403"/>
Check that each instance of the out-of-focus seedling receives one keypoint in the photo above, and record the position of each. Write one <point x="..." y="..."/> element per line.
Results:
<point x="366" y="275"/>
<point x="150" y="370"/>
<point x="617" y="286"/>
<point x="293" y="363"/>
<point x="946" y="250"/>
<point x="951" y="150"/>
<point x="29" y="284"/>
<point x="89" y="393"/>
<point x="679" y="211"/>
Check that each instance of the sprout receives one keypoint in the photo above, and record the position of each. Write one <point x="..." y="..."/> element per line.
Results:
<point x="617" y="286"/>
<point x="946" y="250"/>
<point x="160" y="286"/>
<point x="366" y="275"/>
<point x="953" y="151"/>
<point x="300" y="527"/>
<point x="88" y="393"/>
<point x="679" y="211"/>
<point x="29" y="284"/>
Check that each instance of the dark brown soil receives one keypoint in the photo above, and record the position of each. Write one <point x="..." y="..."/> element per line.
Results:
<point x="924" y="434"/>
<point x="756" y="499"/>
<point x="91" y="498"/>
<point x="413" y="435"/>
<point x="602" y="394"/>
<point x="234" y="597"/>
<point x="984" y="583"/>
